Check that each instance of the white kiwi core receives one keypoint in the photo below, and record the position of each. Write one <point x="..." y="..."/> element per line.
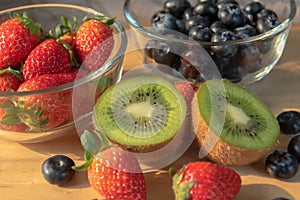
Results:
<point x="237" y="114"/>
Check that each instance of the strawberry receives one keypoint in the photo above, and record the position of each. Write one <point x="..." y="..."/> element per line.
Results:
<point x="188" y="90"/>
<point x="205" y="181"/>
<point x="18" y="36"/>
<point x="49" y="57"/>
<point x="94" y="42"/>
<point x="112" y="171"/>
<point x="44" y="110"/>
<point x="10" y="80"/>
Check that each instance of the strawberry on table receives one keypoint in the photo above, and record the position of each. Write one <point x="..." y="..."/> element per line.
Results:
<point x="112" y="171"/>
<point x="206" y="181"/>
<point x="18" y="36"/>
<point x="49" y="57"/>
<point x="94" y="42"/>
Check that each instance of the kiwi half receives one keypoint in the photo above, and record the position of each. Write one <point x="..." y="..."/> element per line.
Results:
<point x="236" y="127"/>
<point x="142" y="113"/>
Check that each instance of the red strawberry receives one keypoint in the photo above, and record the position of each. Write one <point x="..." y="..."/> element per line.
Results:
<point x="44" y="110"/>
<point x="10" y="80"/>
<point x="50" y="57"/>
<point x="112" y="171"/>
<point x="188" y="90"/>
<point x="18" y="36"/>
<point x="206" y="181"/>
<point x="94" y="42"/>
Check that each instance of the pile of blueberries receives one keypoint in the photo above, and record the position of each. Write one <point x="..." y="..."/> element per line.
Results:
<point x="284" y="164"/>
<point x="214" y="21"/>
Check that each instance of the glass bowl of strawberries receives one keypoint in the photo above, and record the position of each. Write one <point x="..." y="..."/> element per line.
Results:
<point x="245" y="38"/>
<point x="56" y="60"/>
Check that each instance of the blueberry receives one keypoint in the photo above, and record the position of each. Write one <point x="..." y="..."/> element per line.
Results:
<point x="232" y="15"/>
<point x="224" y="50"/>
<point x="267" y="13"/>
<point x="149" y="47"/>
<point x="248" y="57"/>
<point x="289" y="122"/>
<point x="281" y="165"/>
<point x="252" y="9"/>
<point x="218" y="25"/>
<point x="212" y="1"/>
<point x="176" y="7"/>
<point x="199" y="33"/>
<point x="266" y="24"/>
<point x="162" y="54"/>
<point x="207" y="9"/>
<point x="163" y="20"/>
<point x="222" y="3"/>
<point x="196" y="20"/>
<point x="58" y="170"/>
<point x="188" y="13"/>
<point x="294" y="147"/>
<point x="246" y="29"/>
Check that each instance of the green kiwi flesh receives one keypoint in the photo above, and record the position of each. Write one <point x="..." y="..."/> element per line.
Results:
<point x="140" y="113"/>
<point x="247" y="121"/>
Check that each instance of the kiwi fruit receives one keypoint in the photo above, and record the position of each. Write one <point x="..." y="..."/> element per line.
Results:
<point x="235" y="126"/>
<point x="141" y="113"/>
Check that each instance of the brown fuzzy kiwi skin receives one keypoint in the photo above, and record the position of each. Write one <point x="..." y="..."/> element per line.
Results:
<point x="225" y="153"/>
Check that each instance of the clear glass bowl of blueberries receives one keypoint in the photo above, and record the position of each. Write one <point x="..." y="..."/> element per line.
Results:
<point x="244" y="38"/>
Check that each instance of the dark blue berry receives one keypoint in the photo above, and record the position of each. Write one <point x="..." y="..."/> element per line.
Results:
<point x="246" y="29"/>
<point x="248" y="57"/>
<point x="181" y="25"/>
<point x="222" y="3"/>
<point x="149" y="47"/>
<point x="294" y="147"/>
<point x="231" y="15"/>
<point x="252" y="9"/>
<point x="212" y="1"/>
<point x="224" y="50"/>
<point x="58" y="170"/>
<point x="199" y="33"/>
<point x="289" y="122"/>
<point x="266" y="24"/>
<point x="207" y="9"/>
<point x="176" y="7"/>
<point x="196" y="20"/>
<point x="163" y="54"/>
<point x="281" y="165"/>
<point x="218" y="26"/>
<point x="188" y="13"/>
<point x="164" y="21"/>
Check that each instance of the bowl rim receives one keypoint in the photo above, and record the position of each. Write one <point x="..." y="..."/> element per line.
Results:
<point x="263" y="36"/>
<point x="93" y="74"/>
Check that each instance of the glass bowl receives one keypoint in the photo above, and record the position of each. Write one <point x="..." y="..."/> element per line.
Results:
<point x="77" y="98"/>
<point x="255" y="57"/>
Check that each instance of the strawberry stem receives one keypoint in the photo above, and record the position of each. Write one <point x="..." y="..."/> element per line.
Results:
<point x="102" y="18"/>
<point x="14" y="72"/>
<point x="30" y="24"/>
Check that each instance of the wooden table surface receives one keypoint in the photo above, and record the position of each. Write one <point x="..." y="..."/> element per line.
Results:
<point x="20" y="164"/>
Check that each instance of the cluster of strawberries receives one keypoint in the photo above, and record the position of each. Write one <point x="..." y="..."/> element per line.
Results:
<point x="116" y="174"/>
<point x="32" y="59"/>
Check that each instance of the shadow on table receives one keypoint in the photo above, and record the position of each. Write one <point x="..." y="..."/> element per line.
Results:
<point x="262" y="191"/>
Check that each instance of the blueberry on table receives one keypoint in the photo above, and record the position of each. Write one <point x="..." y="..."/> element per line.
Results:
<point x="281" y="165"/>
<point x="289" y="122"/>
<point x="58" y="170"/>
<point x="176" y="7"/>
<point x="232" y="15"/>
<point x="163" y="20"/>
<point x="294" y="147"/>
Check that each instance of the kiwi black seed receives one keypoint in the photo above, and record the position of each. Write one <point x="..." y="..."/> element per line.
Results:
<point x="236" y="127"/>
<point x="141" y="113"/>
